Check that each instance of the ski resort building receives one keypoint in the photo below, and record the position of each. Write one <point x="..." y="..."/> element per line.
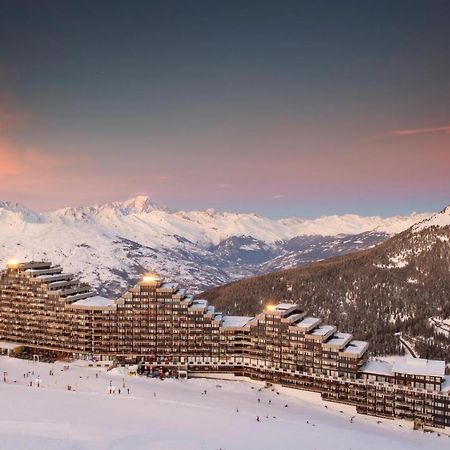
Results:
<point x="158" y="323"/>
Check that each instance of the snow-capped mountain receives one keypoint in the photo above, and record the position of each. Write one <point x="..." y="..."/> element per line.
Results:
<point x="111" y="245"/>
<point x="438" y="220"/>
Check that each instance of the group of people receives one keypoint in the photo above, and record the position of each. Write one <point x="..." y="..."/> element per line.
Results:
<point x="112" y="390"/>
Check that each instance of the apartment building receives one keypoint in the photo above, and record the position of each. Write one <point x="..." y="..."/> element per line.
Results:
<point x="159" y="323"/>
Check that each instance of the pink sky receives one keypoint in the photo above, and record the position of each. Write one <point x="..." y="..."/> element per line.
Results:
<point x="277" y="162"/>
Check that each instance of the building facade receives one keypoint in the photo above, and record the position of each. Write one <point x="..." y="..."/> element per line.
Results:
<point x="158" y="323"/>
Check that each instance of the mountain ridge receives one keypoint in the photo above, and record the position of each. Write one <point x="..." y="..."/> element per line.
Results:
<point x="110" y="245"/>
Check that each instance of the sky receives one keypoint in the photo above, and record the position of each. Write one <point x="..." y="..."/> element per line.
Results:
<point x="283" y="108"/>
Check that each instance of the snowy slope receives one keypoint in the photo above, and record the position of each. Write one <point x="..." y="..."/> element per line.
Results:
<point x="111" y="245"/>
<point x="440" y="219"/>
<point x="175" y="415"/>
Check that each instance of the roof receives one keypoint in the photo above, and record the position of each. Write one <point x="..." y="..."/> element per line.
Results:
<point x="339" y="339"/>
<point x="419" y="366"/>
<point x="356" y="347"/>
<point x="96" y="300"/>
<point x="284" y="306"/>
<point x="171" y="286"/>
<point x="378" y="367"/>
<point x="323" y="330"/>
<point x="199" y="304"/>
<point x="235" y="321"/>
<point x="295" y="317"/>
<point x="308" y="322"/>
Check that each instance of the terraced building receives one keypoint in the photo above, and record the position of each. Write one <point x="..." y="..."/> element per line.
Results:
<point x="157" y="323"/>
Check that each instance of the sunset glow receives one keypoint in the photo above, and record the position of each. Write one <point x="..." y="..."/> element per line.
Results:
<point x="249" y="111"/>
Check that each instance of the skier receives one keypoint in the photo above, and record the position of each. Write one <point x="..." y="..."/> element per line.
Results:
<point x="257" y="418"/>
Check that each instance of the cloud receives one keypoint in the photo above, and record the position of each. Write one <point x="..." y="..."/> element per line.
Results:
<point x="413" y="131"/>
<point x="278" y="196"/>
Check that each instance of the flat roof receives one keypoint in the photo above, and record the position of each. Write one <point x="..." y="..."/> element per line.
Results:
<point x="96" y="300"/>
<point x="323" y="330"/>
<point x="284" y="306"/>
<point x="296" y="316"/>
<point x="169" y="286"/>
<point x="199" y="304"/>
<point x="377" y="367"/>
<point x="356" y="347"/>
<point x="235" y="321"/>
<point x="419" y="366"/>
<point x="308" y="322"/>
<point x="339" y="338"/>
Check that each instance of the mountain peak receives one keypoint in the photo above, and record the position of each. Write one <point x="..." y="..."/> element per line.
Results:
<point x="17" y="208"/>
<point x="140" y="204"/>
<point x="440" y="219"/>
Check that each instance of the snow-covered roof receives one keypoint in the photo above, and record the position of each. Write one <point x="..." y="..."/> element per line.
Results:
<point x="40" y="271"/>
<point x="378" y="367"/>
<point x="235" y="321"/>
<point x="96" y="300"/>
<point x="308" y="322"/>
<point x="171" y="286"/>
<point x="56" y="277"/>
<point x="284" y="306"/>
<point x="199" y="304"/>
<point x="323" y="330"/>
<point x="339" y="339"/>
<point x="295" y="317"/>
<point x="419" y="366"/>
<point x="356" y="347"/>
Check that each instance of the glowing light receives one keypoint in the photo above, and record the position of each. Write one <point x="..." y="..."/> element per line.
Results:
<point x="151" y="278"/>
<point x="271" y="307"/>
<point x="13" y="264"/>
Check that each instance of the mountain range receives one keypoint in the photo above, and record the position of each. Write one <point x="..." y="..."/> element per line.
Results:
<point x="111" y="245"/>
<point x="396" y="294"/>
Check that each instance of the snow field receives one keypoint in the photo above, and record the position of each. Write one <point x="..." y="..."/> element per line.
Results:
<point x="178" y="415"/>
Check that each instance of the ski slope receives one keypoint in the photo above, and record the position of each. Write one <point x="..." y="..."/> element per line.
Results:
<point x="177" y="415"/>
